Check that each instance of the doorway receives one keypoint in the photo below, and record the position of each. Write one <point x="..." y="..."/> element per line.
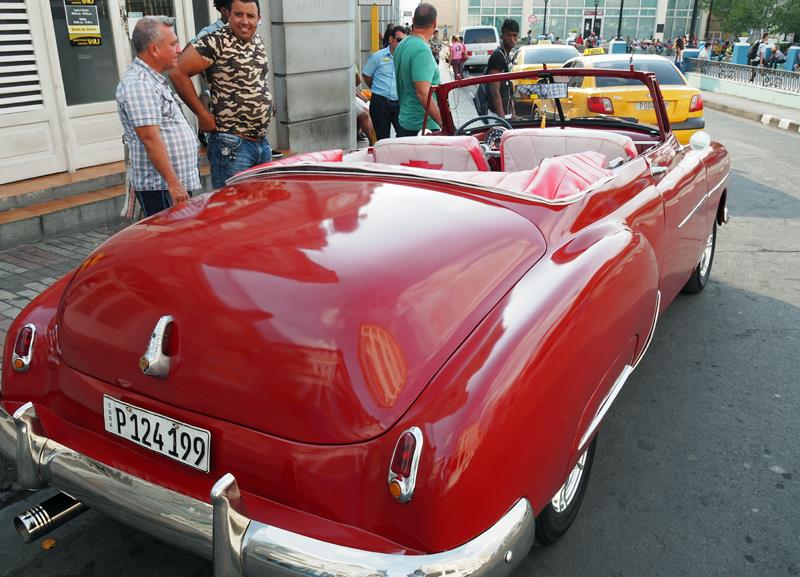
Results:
<point x="587" y="27"/>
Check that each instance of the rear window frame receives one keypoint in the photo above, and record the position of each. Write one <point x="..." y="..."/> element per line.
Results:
<point x="658" y="67"/>
<point x="485" y="30"/>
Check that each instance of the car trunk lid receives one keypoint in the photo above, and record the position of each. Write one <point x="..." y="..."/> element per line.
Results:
<point x="313" y="310"/>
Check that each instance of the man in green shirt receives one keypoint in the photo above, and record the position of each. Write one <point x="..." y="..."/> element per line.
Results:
<point x="416" y="72"/>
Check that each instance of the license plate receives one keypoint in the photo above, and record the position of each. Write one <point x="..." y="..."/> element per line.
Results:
<point x="645" y="105"/>
<point x="185" y="443"/>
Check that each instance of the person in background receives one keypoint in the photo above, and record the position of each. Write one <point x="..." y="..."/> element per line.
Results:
<point x="458" y="55"/>
<point x="163" y="147"/>
<point x="386" y="35"/>
<point x="363" y="120"/>
<point x="224" y="9"/>
<point x="235" y="62"/>
<point x="529" y="37"/>
<point x="679" y="47"/>
<point x="500" y="61"/>
<point x="777" y="58"/>
<point x="436" y="46"/>
<point x="416" y="72"/>
<point x="384" y="108"/>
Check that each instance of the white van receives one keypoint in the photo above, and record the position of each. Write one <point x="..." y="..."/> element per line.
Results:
<point x="480" y="42"/>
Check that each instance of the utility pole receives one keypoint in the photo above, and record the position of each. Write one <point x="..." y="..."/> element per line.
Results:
<point x="594" y="17"/>
<point x="544" y="20"/>
<point x="708" y="20"/>
<point x="619" y="22"/>
<point x="693" y="25"/>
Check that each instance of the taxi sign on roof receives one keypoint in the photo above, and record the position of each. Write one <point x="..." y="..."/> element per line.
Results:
<point x="590" y="51"/>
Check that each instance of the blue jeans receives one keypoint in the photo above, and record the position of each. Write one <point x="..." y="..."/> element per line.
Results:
<point x="229" y="154"/>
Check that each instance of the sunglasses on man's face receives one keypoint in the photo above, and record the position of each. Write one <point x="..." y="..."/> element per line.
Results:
<point x="396" y="39"/>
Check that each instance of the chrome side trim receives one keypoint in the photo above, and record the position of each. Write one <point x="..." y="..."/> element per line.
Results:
<point x="605" y="405"/>
<point x="652" y="331"/>
<point x="620" y="382"/>
<point x="408" y="484"/>
<point x="699" y="204"/>
<point x="238" y="545"/>
<point x="26" y="358"/>
<point x="403" y="173"/>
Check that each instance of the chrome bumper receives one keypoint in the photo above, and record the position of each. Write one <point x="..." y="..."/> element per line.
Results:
<point x="239" y="546"/>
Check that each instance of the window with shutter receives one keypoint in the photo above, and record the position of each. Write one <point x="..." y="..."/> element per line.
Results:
<point x="19" y="75"/>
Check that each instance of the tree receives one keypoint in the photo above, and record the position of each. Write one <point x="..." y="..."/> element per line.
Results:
<point x="740" y="15"/>
<point x="787" y="17"/>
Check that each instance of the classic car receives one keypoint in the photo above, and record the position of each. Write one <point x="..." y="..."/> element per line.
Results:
<point x="610" y="96"/>
<point x="393" y="361"/>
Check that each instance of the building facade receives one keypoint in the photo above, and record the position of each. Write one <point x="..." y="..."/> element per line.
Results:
<point x="640" y="18"/>
<point x="61" y="60"/>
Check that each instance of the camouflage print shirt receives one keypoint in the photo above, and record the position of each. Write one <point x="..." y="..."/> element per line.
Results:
<point x="240" y="97"/>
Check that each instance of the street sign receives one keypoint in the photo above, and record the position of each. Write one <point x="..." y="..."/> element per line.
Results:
<point x="532" y="19"/>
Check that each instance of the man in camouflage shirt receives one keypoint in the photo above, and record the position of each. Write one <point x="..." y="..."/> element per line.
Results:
<point x="235" y="63"/>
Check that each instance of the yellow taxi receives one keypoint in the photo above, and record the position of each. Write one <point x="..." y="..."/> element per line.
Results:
<point x="534" y="58"/>
<point x="598" y="96"/>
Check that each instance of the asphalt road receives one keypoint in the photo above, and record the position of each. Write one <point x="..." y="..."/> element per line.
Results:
<point x="698" y="463"/>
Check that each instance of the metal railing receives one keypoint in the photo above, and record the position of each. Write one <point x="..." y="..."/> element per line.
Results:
<point x="757" y="75"/>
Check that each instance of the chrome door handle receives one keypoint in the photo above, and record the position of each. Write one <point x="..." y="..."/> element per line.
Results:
<point x="658" y="170"/>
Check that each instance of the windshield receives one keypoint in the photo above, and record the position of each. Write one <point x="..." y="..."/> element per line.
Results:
<point x="480" y="36"/>
<point x="556" y="55"/>
<point x="563" y="97"/>
<point x="665" y="71"/>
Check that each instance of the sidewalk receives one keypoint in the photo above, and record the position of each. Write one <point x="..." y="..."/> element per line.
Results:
<point x="770" y="114"/>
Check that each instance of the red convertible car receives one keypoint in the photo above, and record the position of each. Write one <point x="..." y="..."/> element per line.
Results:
<point x="388" y="362"/>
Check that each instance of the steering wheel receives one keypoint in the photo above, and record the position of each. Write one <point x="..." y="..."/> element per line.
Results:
<point x="487" y="119"/>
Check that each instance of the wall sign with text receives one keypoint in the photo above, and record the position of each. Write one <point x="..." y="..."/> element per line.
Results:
<point x="83" y="23"/>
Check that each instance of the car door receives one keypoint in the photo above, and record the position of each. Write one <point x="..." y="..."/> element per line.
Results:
<point x="679" y="175"/>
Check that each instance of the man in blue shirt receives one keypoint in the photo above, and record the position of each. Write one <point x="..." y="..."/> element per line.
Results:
<point x="384" y="108"/>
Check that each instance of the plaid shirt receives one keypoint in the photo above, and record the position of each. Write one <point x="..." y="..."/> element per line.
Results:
<point x="144" y="99"/>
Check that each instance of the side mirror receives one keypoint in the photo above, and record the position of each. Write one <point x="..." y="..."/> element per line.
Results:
<point x="700" y="140"/>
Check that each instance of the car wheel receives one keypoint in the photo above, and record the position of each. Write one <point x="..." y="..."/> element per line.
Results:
<point x="560" y="513"/>
<point x="702" y="271"/>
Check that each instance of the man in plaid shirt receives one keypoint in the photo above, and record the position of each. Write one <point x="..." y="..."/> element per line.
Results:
<point x="163" y="146"/>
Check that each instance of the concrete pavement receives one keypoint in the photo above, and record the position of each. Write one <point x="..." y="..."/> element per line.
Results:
<point x="769" y="114"/>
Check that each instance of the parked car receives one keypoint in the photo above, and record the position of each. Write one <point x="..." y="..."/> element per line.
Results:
<point x="480" y="42"/>
<point x="615" y="97"/>
<point x="389" y="362"/>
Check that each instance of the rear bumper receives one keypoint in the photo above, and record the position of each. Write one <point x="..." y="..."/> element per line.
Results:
<point x="237" y="545"/>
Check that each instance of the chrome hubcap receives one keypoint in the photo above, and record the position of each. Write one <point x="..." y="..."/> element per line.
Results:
<point x="565" y="495"/>
<point x="705" y="260"/>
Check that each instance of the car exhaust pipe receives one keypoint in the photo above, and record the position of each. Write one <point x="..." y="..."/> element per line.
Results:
<point x="41" y="519"/>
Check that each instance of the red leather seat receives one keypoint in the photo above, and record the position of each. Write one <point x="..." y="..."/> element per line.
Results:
<point x="452" y="153"/>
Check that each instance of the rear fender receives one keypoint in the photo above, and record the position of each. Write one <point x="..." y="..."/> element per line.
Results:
<point x="500" y="419"/>
<point x="40" y="312"/>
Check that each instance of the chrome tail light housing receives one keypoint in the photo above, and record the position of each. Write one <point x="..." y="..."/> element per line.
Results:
<point x="23" y="348"/>
<point x="404" y="465"/>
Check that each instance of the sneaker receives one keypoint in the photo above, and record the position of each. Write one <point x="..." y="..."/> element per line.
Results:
<point x="276" y="154"/>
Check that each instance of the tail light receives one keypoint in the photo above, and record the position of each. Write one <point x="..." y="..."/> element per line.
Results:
<point x="405" y="461"/>
<point x="23" y="348"/>
<point x="696" y="104"/>
<point x="600" y="105"/>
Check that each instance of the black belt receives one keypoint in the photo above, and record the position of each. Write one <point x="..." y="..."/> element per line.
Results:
<point x="384" y="97"/>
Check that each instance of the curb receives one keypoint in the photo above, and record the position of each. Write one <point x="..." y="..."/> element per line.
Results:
<point x="782" y="123"/>
<point x="766" y="119"/>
